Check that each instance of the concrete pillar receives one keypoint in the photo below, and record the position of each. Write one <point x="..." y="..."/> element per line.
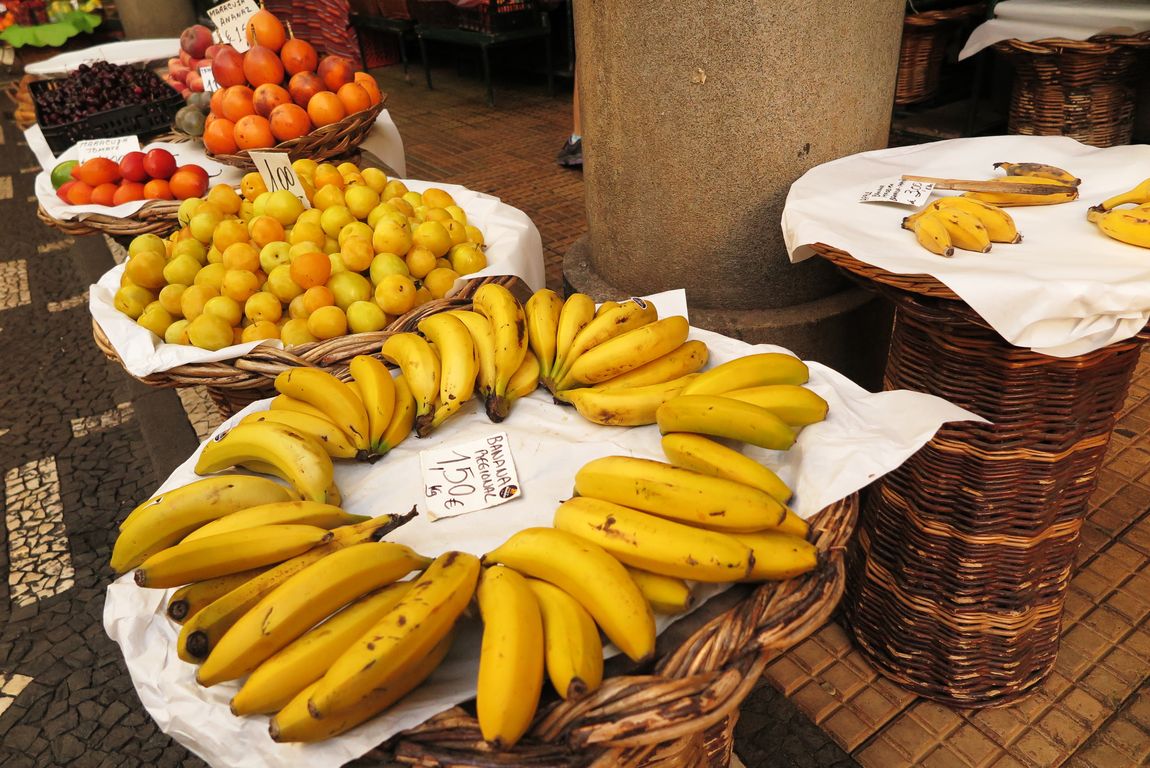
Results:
<point x="696" y="119"/>
<point x="144" y="19"/>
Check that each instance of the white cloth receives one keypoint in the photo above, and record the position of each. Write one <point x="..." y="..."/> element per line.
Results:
<point x="123" y="52"/>
<point x="1065" y="290"/>
<point x="1030" y="20"/>
<point x="865" y="436"/>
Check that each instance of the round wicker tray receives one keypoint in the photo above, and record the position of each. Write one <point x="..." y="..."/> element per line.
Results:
<point x="333" y="140"/>
<point x="156" y="217"/>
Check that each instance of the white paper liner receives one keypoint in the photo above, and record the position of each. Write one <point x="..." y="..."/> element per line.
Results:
<point x="1030" y="20"/>
<point x="865" y="436"/>
<point x="1065" y="290"/>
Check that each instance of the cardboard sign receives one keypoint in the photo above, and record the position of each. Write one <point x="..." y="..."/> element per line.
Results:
<point x="112" y="148"/>
<point x="468" y="477"/>
<point x="276" y="171"/>
<point x="900" y="191"/>
<point x="230" y="19"/>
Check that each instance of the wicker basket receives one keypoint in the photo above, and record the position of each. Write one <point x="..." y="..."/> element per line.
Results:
<point x="1084" y="89"/>
<point x="957" y="580"/>
<point x="925" y="38"/>
<point x="323" y="143"/>
<point x="156" y="217"/>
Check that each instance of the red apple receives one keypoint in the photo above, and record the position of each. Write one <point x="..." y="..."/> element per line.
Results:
<point x="159" y="163"/>
<point x="132" y="167"/>
<point x="195" y="40"/>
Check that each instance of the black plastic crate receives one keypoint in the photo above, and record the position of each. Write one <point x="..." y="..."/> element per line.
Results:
<point x="141" y="120"/>
<point x="440" y="14"/>
<point x="499" y="16"/>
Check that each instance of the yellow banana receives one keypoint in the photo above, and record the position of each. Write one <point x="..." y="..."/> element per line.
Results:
<point x="509" y="323"/>
<point x="966" y="231"/>
<point x="402" y="417"/>
<point x="571" y="645"/>
<point x="226" y="553"/>
<point x="279" y="513"/>
<point x="289" y="670"/>
<point x="457" y="366"/>
<point x="377" y="390"/>
<point x="1128" y="225"/>
<point x="931" y="232"/>
<point x="626" y="351"/>
<point x="331" y="493"/>
<point x="700" y="453"/>
<point x="628" y="315"/>
<point x="203" y="630"/>
<point x="677" y="493"/>
<point x="302" y="601"/>
<point x="578" y="310"/>
<point x="688" y="357"/>
<point x="1139" y="195"/>
<point x="294" y="456"/>
<point x="525" y="380"/>
<point x="753" y="370"/>
<point x="778" y="555"/>
<point x="1065" y="194"/>
<point x="1000" y="226"/>
<point x="590" y="575"/>
<point x="511" y="658"/>
<point x="653" y="543"/>
<point x="720" y="416"/>
<point x="606" y="306"/>
<point x="624" y="406"/>
<point x="163" y="520"/>
<point x="295" y="723"/>
<point x="1039" y="170"/>
<point x="793" y="524"/>
<point x="285" y="403"/>
<point x="543" y="310"/>
<point x="409" y="631"/>
<point x="330" y="437"/>
<point x="794" y="404"/>
<point x="667" y="595"/>
<point x="189" y="599"/>
<point x="420" y="365"/>
<point x="483" y="337"/>
<point x="330" y="395"/>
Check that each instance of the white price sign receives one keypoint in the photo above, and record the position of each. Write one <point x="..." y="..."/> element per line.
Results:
<point x="230" y="19"/>
<point x="112" y="148"/>
<point x="209" y="80"/>
<point x="901" y="191"/>
<point x="468" y="477"/>
<point x="276" y="171"/>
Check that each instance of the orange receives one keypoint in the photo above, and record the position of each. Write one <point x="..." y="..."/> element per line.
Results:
<point x="354" y="98"/>
<point x="158" y="189"/>
<point x="254" y="132"/>
<point x="289" y="121"/>
<point x="310" y="269"/>
<point x="325" y="108"/>
<point x="219" y="137"/>
<point x="237" y="103"/>
<point x="367" y="82"/>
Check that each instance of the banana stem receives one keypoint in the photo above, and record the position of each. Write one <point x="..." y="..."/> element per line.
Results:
<point x="965" y="185"/>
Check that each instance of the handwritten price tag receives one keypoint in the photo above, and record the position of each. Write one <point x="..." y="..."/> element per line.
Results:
<point x="276" y="171"/>
<point x="209" y="80"/>
<point x="112" y="148"/>
<point x="912" y="193"/>
<point x="230" y="19"/>
<point x="468" y="477"/>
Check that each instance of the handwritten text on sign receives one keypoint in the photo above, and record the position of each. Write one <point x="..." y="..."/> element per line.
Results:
<point x="899" y="191"/>
<point x="113" y="148"/>
<point x="276" y="171"/>
<point x="467" y="477"/>
<point x="209" y="79"/>
<point x="230" y="19"/>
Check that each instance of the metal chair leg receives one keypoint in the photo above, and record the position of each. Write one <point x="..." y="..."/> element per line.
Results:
<point x="487" y="76"/>
<point x="426" y="62"/>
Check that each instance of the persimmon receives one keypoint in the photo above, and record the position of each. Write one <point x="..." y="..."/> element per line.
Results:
<point x="289" y="121"/>
<point x="253" y="132"/>
<point x="325" y="108"/>
<point x="298" y="56"/>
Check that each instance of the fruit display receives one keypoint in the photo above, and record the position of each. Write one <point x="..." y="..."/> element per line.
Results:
<point x="1127" y="225"/>
<point x="151" y="175"/>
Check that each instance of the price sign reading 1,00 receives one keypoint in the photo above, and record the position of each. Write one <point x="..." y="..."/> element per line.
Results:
<point x="279" y="178"/>
<point x="276" y="171"/>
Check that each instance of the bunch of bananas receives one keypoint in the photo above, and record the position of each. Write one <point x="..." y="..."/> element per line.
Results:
<point x="1127" y="225"/>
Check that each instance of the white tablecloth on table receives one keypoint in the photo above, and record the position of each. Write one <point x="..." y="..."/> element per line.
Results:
<point x="865" y="436"/>
<point x="1065" y="290"/>
<point x="122" y="52"/>
<point x="1030" y="20"/>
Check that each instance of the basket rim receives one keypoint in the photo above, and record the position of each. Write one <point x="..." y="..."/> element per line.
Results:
<point x="1096" y="45"/>
<point x="154" y="217"/>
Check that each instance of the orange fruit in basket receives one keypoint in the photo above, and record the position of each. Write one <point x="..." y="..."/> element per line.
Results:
<point x="158" y="189"/>
<point x="367" y="82"/>
<point x="265" y="29"/>
<point x="310" y="269"/>
<point x="80" y="193"/>
<point x="228" y="66"/>
<point x="188" y="182"/>
<point x="335" y="71"/>
<point x="268" y="96"/>
<point x="216" y="105"/>
<point x="97" y="171"/>
<point x="325" y="108"/>
<point x="298" y="56"/>
<point x="219" y="137"/>
<point x="354" y="98"/>
<point x="237" y="103"/>
<point x="104" y="193"/>
<point x="254" y="132"/>
<point x="289" y="121"/>
<point x="128" y="192"/>
<point x="262" y="65"/>
<point x="303" y="85"/>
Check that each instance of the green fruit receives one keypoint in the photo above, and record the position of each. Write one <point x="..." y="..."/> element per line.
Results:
<point x="63" y="172"/>
<point x="200" y="100"/>
<point x="190" y="120"/>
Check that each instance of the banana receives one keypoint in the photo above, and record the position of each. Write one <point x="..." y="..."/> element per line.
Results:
<point x="653" y="543"/>
<point x="628" y="315"/>
<point x="794" y="404"/>
<point x="330" y="395"/>
<point x="295" y="723"/>
<point x="163" y="520"/>
<point x="511" y="656"/>
<point x="966" y="231"/>
<point x="753" y="370"/>
<point x="402" y="417"/>
<point x="289" y="670"/>
<point x="458" y="366"/>
<point x="627" y="351"/>
<point x="572" y="648"/>
<point x="189" y="599"/>
<point x="1139" y="195"/>
<point x="483" y="337"/>
<point x="406" y="633"/>
<point x="677" y="493"/>
<point x="1000" y="226"/>
<point x="624" y="406"/>
<point x="778" y="555"/>
<point x="294" y="456"/>
<point x="285" y="403"/>
<point x="700" y="453"/>
<point x="793" y="524"/>
<point x="377" y="390"/>
<point x="666" y="594"/>
<point x="525" y="380"/>
<point x="606" y="306"/>
<point x="1066" y="194"/>
<point x="509" y="324"/>
<point x="302" y="601"/>
<point x="420" y="365"/>
<point x="688" y="357"/>
<point x="543" y="310"/>
<point x="278" y="513"/>
<point x="578" y="310"/>
<point x="931" y="232"/>
<point x="1128" y="225"/>
<point x="1039" y="170"/>
<point x="330" y="437"/>
<point x="589" y="574"/>
<point x="720" y="416"/>
<point x="226" y="553"/>
<point x="203" y="630"/>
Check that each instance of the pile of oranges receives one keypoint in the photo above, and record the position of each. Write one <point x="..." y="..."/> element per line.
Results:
<point x="279" y="89"/>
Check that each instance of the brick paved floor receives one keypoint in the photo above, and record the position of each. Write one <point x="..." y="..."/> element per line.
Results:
<point x="80" y="443"/>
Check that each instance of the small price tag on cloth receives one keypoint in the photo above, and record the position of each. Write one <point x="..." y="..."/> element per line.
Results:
<point x="209" y="80"/>
<point x="276" y="171"/>
<point x="468" y="477"/>
<point x="900" y="191"/>
<point x="230" y="18"/>
<point x="113" y="148"/>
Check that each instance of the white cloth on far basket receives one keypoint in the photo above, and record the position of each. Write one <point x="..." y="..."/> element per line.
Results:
<point x="1030" y="20"/>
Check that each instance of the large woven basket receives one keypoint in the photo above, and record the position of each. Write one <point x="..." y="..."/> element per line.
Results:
<point x="957" y="580"/>
<point x="681" y="712"/>
<point x="1084" y="89"/>
<point x="156" y="217"/>
<point x="925" y="38"/>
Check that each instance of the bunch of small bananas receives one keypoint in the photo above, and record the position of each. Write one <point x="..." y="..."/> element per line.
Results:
<point x="1128" y="225"/>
